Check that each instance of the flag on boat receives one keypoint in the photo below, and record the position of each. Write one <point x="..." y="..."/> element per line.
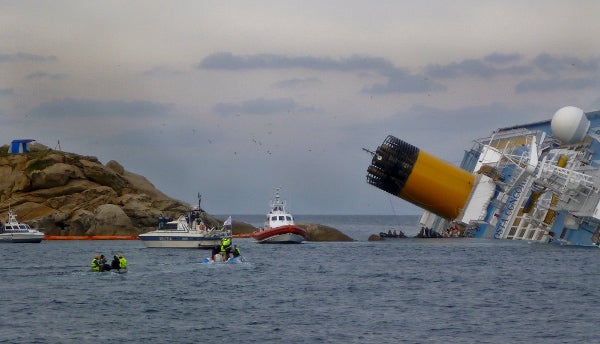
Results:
<point x="227" y="222"/>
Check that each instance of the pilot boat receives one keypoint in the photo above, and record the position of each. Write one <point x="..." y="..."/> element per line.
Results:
<point x="279" y="225"/>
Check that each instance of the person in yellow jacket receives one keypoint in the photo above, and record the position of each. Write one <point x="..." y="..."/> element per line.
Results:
<point x="122" y="261"/>
<point x="225" y="248"/>
<point x="96" y="264"/>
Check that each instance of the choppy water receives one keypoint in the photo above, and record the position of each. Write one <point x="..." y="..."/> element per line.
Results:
<point x="404" y="291"/>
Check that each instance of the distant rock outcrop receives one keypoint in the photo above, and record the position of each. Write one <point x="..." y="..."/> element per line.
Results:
<point x="69" y="194"/>
<point x="318" y="232"/>
<point x="375" y="237"/>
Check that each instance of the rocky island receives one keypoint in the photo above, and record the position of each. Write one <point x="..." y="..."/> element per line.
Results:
<point x="65" y="193"/>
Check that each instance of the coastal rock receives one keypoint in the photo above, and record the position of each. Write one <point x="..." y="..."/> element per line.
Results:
<point x="65" y="193"/>
<point x="110" y="219"/>
<point x="54" y="175"/>
<point x="115" y="166"/>
<point x="375" y="237"/>
<point x="317" y="232"/>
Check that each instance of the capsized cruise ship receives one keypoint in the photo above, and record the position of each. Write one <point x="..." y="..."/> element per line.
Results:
<point x="538" y="182"/>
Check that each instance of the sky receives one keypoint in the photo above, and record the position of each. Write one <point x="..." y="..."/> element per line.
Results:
<point x="231" y="99"/>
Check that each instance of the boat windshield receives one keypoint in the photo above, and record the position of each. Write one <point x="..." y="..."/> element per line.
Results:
<point x="170" y="226"/>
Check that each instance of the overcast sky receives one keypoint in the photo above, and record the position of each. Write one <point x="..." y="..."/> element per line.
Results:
<point x="231" y="99"/>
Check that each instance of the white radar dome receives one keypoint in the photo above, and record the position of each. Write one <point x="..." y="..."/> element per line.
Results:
<point x="569" y="124"/>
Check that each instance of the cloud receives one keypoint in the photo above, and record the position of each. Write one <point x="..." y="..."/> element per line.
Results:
<point x="161" y="71"/>
<point x="99" y="108"/>
<point x="7" y="91"/>
<point x="474" y="67"/>
<point x="44" y="75"/>
<point x="229" y="61"/>
<point x="499" y="58"/>
<point x="552" y="64"/>
<point x="260" y="106"/>
<point x="595" y="104"/>
<point x="557" y="84"/>
<point x="25" y="57"/>
<point x="401" y="81"/>
<point x="297" y="82"/>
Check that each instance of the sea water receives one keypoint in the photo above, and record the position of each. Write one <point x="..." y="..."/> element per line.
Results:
<point x="399" y="291"/>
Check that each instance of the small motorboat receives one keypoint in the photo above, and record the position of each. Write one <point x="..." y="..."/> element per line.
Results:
<point x="16" y="232"/>
<point x="279" y="225"/>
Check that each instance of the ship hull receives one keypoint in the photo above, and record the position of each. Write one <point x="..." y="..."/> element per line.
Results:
<point x="280" y="235"/>
<point x="178" y="241"/>
<point x="22" y="238"/>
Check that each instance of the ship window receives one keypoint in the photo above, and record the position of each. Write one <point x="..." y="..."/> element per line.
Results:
<point x="273" y="218"/>
<point x="281" y="218"/>
<point x="289" y="218"/>
<point x="22" y="227"/>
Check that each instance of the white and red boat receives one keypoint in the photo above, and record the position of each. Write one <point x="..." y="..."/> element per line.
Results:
<point x="279" y="226"/>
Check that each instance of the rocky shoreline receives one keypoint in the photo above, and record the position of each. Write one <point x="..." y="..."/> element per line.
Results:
<point x="66" y="194"/>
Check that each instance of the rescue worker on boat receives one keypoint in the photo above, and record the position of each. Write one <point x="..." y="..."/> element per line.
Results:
<point x="122" y="262"/>
<point x="96" y="263"/>
<point x="115" y="264"/>
<point x="104" y="266"/>
<point x="236" y="251"/>
<point x="225" y="248"/>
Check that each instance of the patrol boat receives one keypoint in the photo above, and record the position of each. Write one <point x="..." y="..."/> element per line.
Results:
<point x="538" y="182"/>
<point x="279" y="225"/>
<point x="186" y="232"/>
<point x="16" y="232"/>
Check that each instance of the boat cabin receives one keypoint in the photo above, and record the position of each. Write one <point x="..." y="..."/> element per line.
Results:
<point x="278" y="215"/>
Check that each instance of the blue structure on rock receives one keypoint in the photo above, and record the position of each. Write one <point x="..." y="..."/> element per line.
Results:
<point x="19" y="146"/>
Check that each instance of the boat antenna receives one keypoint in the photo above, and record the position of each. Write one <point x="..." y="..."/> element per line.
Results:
<point x="200" y="201"/>
<point x="368" y="151"/>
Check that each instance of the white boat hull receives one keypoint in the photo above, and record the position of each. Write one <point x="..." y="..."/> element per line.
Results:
<point x="170" y="240"/>
<point x="22" y="237"/>
<point x="181" y="243"/>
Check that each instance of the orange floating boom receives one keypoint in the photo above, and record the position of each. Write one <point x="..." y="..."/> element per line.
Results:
<point x="91" y="237"/>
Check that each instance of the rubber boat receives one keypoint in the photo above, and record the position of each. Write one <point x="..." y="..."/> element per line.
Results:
<point x="114" y="271"/>
<point x="186" y="232"/>
<point x="15" y="232"/>
<point x="390" y="235"/>
<point x="279" y="225"/>
<point x="217" y="260"/>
